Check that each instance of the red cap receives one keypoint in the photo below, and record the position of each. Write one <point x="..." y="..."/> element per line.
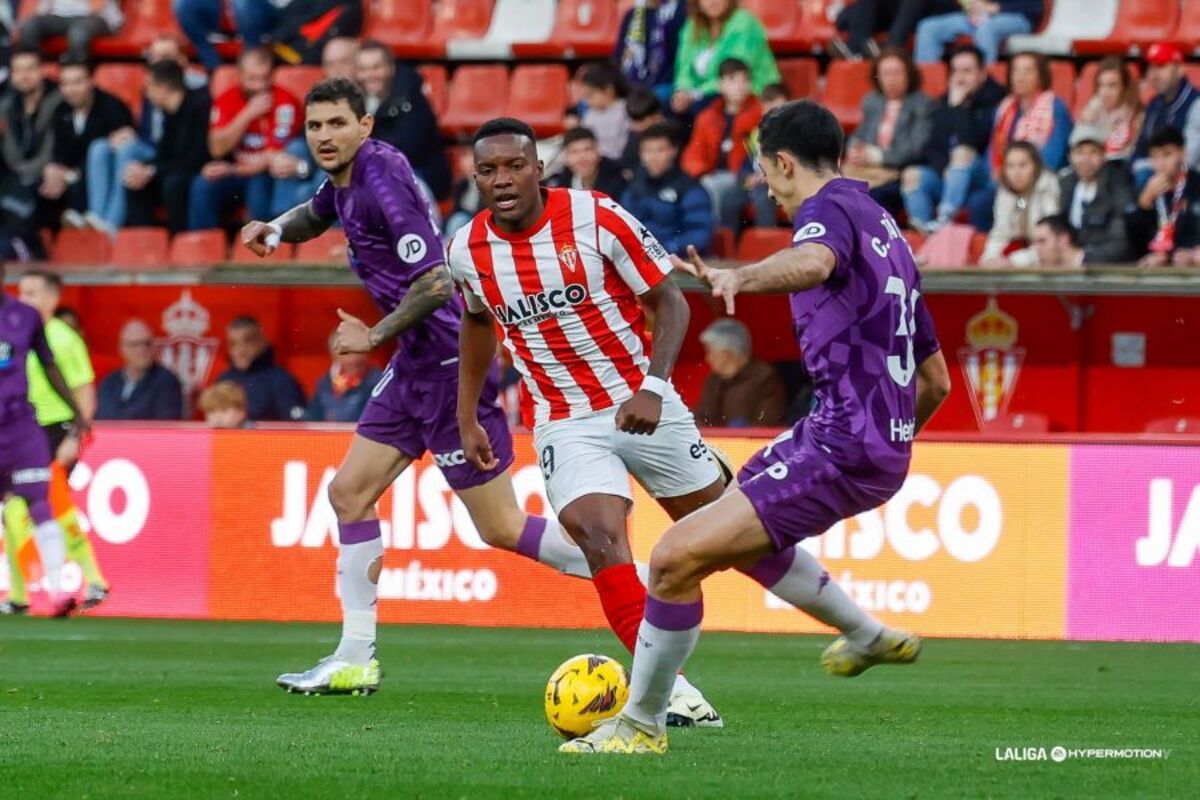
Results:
<point x="1163" y="53"/>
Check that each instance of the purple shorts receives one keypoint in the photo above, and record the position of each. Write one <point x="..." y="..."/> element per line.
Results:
<point x="24" y="458"/>
<point x="798" y="492"/>
<point x="415" y="414"/>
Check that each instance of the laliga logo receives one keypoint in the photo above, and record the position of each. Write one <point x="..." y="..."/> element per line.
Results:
<point x="1155" y="549"/>
<point x="117" y="499"/>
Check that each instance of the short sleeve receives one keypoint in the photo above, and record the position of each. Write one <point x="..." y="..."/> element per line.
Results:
<point x="827" y="223"/>
<point x="408" y="218"/>
<point x="322" y="203"/>
<point x="72" y="357"/>
<point x="223" y="109"/>
<point x="925" y="341"/>
<point x="458" y="264"/>
<point x="639" y="258"/>
<point x="40" y="345"/>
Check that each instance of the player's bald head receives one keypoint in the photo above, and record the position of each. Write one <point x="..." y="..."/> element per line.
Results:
<point x="505" y="133"/>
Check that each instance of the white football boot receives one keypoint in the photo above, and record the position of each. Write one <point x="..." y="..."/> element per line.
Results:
<point x="688" y="708"/>
<point x="332" y="675"/>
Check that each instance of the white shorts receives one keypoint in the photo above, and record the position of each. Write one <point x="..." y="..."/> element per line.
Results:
<point x="588" y="455"/>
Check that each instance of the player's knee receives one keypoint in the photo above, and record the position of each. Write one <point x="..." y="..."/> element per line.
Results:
<point x="672" y="569"/>
<point x="501" y="530"/>
<point x="349" y="502"/>
<point x="603" y="543"/>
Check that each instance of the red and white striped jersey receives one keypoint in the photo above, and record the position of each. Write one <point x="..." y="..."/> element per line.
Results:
<point x="565" y="295"/>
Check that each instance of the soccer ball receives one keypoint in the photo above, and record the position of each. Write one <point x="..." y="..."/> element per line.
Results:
<point x="585" y="690"/>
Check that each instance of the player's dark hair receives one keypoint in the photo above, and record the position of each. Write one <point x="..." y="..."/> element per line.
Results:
<point x="503" y="126"/>
<point x="1061" y="226"/>
<point x="732" y="66"/>
<point x="378" y="46"/>
<point x="336" y="90"/>
<point x="809" y="132"/>
<point x="642" y="104"/>
<point x="243" y="321"/>
<point x="578" y="135"/>
<point x="51" y="279"/>
<point x="167" y="74"/>
<point x="74" y="62"/>
<point x="1166" y="136"/>
<point x="661" y="130"/>
<point x="604" y="75"/>
<point x="775" y="91"/>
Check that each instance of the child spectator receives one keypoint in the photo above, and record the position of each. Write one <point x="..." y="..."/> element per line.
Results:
<point x="1028" y="192"/>
<point x="224" y="406"/>
<point x="644" y="110"/>
<point x="604" y="95"/>
<point x="1166" y="220"/>
<point x="668" y="201"/>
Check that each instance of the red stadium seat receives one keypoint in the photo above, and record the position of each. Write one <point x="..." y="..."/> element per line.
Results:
<point x="724" y="243"/>
<point x="224" y="78"/>
<point x="1174" y="425"/>
<point x="1018" y="424"/>
<point x="144" y="19"/>
<point x="801" y="76"/>
<point x="477" y="94"/>
<point x="1085" y="87"/>
<point x="537" y="95"/>
<point x="1189" y="27"/>
<point x="406" y="26"/>
<point x="999" y="72"/>
<point x="846" y="83"/>
<point x="1068" y="22"/>
<point x="784" y="21"/>
<point x="328" y="248"/>
<point x="582" y="29"/>
<point x="81" y="247"/>
<point x="461" y="19"/>
<point x="819" y="28"/>
<point x="435" y="86"/>
<point x="915" y="239"/>
<point x="1139" y="24"/>
<point x="125" y="81"/>
<point x="933" y="79"/>
<point x="141" y="247"/>
<point x="198" y="248"/>
<point x="758" y="243"/>
<point x="298" y="80"/>
<point x="239" y="254"/>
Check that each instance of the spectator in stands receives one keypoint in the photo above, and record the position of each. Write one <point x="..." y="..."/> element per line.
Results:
<point x="766" y="212"/>
<point x="1115" y="108"/>
<point x="339" y="58"/>
<point x="1032" y="113"/>
<point x="715" y="31"/>
<point x="721" y="142"/>
<point x="1057" y="244"/>
<point x="201" y="20"/>
<point x="586" y="168"/>
<point x="1166" y="220"/>
<point x="1096" y="195"/>
<point x="741" y="391"/>
<point x="465" y="197"/>
<point x="224" y="406"/>
<point x="953" y="165"/>
<point x="1173" y="106"/>
<point x="163" y="174"/>
<point x="987" y="22"/>
<point x="142" y="388"/>
<point x="27" y="113"/>
<point x="897" y="122"/>
<point x="648" y="42"/>
<point x="271" y="391"/>
<point x="344" y="390"/>
<point x="862" y="19"/>
<point x="109" y="158"/>
<point x="250" y="121"/>
<point x="80" y="22"/>
<point x="668" y="201"/>
<point x="403" y="116"/>
<point x="1028" y="192"/>
<point x="604" y="92"/>
<point x="644" y="110"/>
<point x="86" y="115"/>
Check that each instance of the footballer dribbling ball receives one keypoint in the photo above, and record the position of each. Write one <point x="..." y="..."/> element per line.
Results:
<point x="585" y="690"/>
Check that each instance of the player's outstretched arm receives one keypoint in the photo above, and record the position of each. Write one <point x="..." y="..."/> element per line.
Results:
<point x="933" y="386"/>
<point x="298" y="225"/>
<point x="476" y="349"/>
<point x="792" y="270"/>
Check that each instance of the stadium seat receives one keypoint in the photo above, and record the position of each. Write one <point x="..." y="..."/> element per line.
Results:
<point x="298" y="80"/>
<point x="141" y="247"/>
<point x="125" y="81"/>
<point x="143" y="20"/>
<point x="1189" y="425"/>
<point x="1139" y="24"/>
<point x="933" y="79"/>
<point x="724" y="244"/>
<point x="1189" y="26"/>
<point x="758" y="243"/>
<point x="1086" y="85"/>
<point x="224" y="78"/>
<point x="239" y="254"/>
<point x="846" y="82"/>
<point x="915" y="239"/>
<point x="197" y="248"/>
<point x="582" y="29"/>
<point x="435" y="86"/>
<point x="461" y="19"/>
<point x="784" y="21"/>
<point x="538" y="94"/>
<point x="406" y="26"/>
<point x="81" y="247"/>
<point x="801" y="76"/>
<point x="328" y="248"/>
<point x="1017" y="424"/>
<point x="513" y="22"/>
<point x="1070" y="20"/>
<point x="477" y="94"/>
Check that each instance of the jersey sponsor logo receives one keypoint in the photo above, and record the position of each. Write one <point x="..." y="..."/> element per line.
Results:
<point x="991" y="360"/>
<point x="651" y="245"/>
<point x="6" y="351"/>
<point x="454" y="459"/>
<point x="536" y="307"/>
<point x="285" y="115"/>
<point x="26" y="476"/>
<point x="810" y="231"/>
<point x="411" y="248"/>
<point x="569" y="256"/>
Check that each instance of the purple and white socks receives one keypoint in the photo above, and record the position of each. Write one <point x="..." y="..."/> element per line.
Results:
<point x="666" y="639"/>
<point x="543" y="541"/>
<point x="360" y="546"/>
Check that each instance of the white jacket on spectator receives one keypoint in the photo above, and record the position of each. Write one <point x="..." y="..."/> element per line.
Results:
<point x="110" y="12"/>
<point x="1016" y="217"/>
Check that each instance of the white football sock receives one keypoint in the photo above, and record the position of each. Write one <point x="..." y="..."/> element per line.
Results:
<point x="556" y="551"/>
<point x="806" y="585"/>
<point x="358" y="594"/>
<point x="52" y="547"/>
<point x="661" y="652"/>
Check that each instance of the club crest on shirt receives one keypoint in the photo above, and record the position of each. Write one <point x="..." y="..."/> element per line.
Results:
<point x="569" y="256"/>
<point x="810" y="231"/>
<point x="651" y="245"/>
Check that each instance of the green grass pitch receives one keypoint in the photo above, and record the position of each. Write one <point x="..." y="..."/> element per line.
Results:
<point x="153" y="709"/>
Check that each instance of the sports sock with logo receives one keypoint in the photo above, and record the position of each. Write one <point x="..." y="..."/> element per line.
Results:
<point x="623" y="598"/>
<point x="542" y="540"/>
<point x="796" y="576"/>
<point x="360" y="546"/>
<point x="666" y="639"/>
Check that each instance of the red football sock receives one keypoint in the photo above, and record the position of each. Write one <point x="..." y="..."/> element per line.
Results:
<point x="624" y="601"/>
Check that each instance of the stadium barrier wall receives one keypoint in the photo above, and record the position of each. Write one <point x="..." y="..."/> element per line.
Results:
<point x="1050" y="541"/>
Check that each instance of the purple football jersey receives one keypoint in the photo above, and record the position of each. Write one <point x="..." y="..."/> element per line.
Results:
<point x="21" y="331"/>
<point x="862" y="332"/>
<point x="393" y="241"/>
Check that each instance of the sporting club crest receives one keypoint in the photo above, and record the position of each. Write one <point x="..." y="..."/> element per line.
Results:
<point x="991" y="360"/>
<point x="569" y="256"/>
<point x="185" y="350"/>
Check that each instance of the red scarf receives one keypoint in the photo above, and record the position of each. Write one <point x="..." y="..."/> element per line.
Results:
<point x="1036" y="125"/>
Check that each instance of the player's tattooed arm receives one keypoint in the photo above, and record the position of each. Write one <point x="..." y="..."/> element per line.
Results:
<point x="301" y="224"/>
<point x="428" y="293"/>
<point x="791" y="270"/>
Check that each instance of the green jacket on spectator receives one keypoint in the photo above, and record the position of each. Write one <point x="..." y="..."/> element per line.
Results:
<point x="699" y="57"/>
